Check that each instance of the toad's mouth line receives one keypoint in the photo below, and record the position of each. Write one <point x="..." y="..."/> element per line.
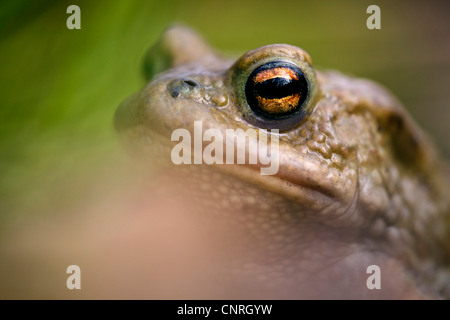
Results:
<point x="291" y="182"/>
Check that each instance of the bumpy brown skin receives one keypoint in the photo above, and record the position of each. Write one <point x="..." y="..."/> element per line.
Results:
<point x="358" y="184"/>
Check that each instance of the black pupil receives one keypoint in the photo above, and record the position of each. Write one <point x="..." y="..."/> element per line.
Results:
<point x="277" y="88"/>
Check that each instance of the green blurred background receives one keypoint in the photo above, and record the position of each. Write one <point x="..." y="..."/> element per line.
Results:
<point x="60" y="88"/>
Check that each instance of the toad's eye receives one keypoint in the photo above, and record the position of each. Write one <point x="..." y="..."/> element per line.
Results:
<point x="276" y="90"/>
<point x="275" y="87"/>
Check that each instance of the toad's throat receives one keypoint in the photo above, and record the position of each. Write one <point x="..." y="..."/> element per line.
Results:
<point x="299" y="178"/>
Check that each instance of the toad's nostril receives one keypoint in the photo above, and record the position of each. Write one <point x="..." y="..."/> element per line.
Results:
<point x="182" y="87"/>
<point x="190" y="83"/>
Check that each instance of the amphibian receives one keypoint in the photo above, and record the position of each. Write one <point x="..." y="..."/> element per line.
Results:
<point x="358" y="184"/>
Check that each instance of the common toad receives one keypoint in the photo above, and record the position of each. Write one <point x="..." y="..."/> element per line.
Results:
<point x="358" y="184"/>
